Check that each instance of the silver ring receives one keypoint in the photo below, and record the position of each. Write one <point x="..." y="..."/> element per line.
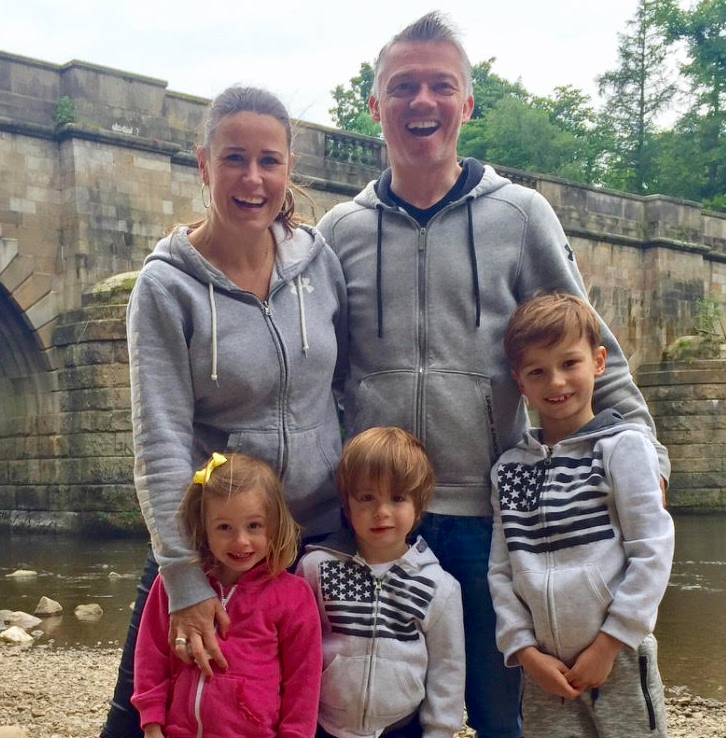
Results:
<point x="180" y="641"/>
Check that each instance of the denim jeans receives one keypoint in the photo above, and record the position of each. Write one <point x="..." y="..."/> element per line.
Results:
<point x="122" y="720"/>
<point x="462" y="546"/>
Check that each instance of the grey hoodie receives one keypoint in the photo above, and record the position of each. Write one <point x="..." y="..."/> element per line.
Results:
<point x="427" y="311"/>
<point x="392" y="644"/>
<point x="214" y="368"/>
<point x="581" y="541"/>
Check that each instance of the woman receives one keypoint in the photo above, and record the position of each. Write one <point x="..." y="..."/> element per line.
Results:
<point x="232" y="345"/>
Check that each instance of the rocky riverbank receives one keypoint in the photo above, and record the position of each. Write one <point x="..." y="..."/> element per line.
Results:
<point x="54" y="693"/>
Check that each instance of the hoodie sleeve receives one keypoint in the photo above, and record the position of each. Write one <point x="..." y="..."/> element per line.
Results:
<point x="152" y="659"/>
<point x="648" y="539"/>
<point x="442" y="709"/>
<point x="162" y="411"/>
<point x="302" y="662"/>
<point x="515" y="627"/>
<point x="548" y="263"/>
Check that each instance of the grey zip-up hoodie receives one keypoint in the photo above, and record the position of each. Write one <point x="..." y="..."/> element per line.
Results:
<point x="581" y="541"/>
<point x="392" y="644"/>
<point x="427" y="311"/>
<point x="215" y="368"/>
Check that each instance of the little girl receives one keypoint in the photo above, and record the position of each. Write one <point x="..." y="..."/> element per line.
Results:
<point x="235" y="517"/>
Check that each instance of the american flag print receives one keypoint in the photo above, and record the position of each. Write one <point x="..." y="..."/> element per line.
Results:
<point x="554" y="504"/>
<point x="357" y="604"/>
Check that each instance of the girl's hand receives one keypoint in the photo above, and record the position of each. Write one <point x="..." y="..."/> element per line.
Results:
<point x="153" y="730"/>
<point x="594" y="664"/>
<point x="196" y="624"/>
<point x="548" y="672"/>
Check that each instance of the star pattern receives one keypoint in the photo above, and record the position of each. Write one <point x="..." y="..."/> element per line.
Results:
<point x="519" y="486"/>
<point x="345" y="582"/>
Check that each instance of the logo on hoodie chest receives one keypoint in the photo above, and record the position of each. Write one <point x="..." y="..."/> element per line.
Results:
<point x="520" y="486"/>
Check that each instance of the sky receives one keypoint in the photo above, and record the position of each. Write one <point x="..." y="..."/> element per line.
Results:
<point x="302" y="49"/>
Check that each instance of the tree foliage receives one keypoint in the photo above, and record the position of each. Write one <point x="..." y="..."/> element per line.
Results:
<point x="618" y="144"/>
<point x="351" y="104"/>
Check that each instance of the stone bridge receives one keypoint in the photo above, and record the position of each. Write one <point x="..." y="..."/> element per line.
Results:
<point x="97" y="164"/>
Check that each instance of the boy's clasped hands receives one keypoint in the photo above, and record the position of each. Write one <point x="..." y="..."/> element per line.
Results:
<point x="591" y="668"/>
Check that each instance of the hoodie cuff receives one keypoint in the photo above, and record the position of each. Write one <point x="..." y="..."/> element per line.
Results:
<point x="186" y="585"/>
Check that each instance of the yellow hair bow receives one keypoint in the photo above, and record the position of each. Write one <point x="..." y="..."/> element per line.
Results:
<point x="202" y="476"/>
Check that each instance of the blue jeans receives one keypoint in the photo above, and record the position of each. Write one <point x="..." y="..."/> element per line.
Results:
<point x="462" y="546"/>
<point x="123" y="719"/>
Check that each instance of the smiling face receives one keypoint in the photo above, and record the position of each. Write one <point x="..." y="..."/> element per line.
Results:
<point x="237" y="533"/>
<point x="381" y="519"/>
<point x="247" y="168"/>
<point x="421" y="103"/>
<point x="559" y="381"/>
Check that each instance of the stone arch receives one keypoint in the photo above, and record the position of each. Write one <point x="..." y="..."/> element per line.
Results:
<point x="25" y="381"/>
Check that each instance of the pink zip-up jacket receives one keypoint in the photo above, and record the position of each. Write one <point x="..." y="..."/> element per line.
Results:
<point x="273" y="650"/>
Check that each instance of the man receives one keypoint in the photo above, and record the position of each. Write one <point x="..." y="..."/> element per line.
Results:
<point x="436" y="254"/>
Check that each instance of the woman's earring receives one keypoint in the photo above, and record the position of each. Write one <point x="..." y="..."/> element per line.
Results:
<point x="206" y="201"/>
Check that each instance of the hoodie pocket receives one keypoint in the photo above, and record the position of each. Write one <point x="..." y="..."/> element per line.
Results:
<point x="580" y="599"/>
<point x="382" y="399"/>
<point x="459" y="428"/>
<point x="389" y="693"/>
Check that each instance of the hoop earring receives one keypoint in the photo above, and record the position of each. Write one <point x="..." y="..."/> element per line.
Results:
<point x="207" y="202"/>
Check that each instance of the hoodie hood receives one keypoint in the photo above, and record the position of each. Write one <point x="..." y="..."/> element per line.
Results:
<point x="607" y="422"/>
<point x="343" y="542"/>
<point x="480" y="180"/>
<point x="294" y="252"/>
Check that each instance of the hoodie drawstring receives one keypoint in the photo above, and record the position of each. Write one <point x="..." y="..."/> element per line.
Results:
<point x="474" y="265"/>
<point x="472" y="260"/>
<point x="213" y="308"/>
<point x="379" y="265"/>
<point x="303" y="320"/>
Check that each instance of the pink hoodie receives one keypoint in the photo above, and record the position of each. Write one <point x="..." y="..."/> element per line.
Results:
<point x="273" y="650"/>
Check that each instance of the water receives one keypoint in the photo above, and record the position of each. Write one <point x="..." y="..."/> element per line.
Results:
<point x="691" y="626"/>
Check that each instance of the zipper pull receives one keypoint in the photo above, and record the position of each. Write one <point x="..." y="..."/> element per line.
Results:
<point x="421" y="239"/>
<point x="548" y="460"/>
<point x="378" y="585"/>
<point x="266" y="307"/>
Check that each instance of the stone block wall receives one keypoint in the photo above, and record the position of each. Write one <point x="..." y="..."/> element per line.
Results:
<point x="67" y="466"/>
<point x="688" y="404"/>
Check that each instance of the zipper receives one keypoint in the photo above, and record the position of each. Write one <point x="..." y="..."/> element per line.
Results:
<point x="421" y="254"/>
<point x="202" y="679"/>
<point x="643" y="665"/>
<point x="371" y="651"/>
<point x="282" y="453"/>
<point x="549" y="557"/>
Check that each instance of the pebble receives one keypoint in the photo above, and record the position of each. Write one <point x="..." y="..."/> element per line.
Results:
<point x="43" y="675"/>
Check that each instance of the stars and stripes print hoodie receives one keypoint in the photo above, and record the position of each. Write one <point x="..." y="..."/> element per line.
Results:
<point x="393" y="643"/>
<point x="581" y="540"/>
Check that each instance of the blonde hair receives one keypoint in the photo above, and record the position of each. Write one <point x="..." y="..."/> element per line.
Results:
<point x="545" y="320"/>
<point x="386" y="454"/>
<point x="242" y="473"/>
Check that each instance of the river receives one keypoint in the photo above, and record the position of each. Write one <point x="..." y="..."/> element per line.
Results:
<point x="691" y="626"/>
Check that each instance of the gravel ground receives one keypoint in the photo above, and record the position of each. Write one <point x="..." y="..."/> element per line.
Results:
<point x="60" y="693"/>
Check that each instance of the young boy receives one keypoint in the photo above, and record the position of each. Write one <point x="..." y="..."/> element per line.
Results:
<point x="393" y="636"/>
<point x="582" y="546"/>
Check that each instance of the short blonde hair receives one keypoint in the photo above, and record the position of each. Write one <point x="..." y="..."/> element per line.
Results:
<point x="239" y="474"/>
<point x="545" y="320"/>
<point x="386" y="454"/>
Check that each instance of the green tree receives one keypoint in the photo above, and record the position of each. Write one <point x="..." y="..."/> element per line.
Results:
<point x="515" y="134"/>
<point x="636" y="92"/>
<point x="351" y="104"/>
<point x="703" y="31"/>
<point x="490" y="88"/>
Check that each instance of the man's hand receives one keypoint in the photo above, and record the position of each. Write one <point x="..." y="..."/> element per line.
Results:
<point x="594" y="664"/>
<point x="547" y="671"/>
<point x="195" y="625"/>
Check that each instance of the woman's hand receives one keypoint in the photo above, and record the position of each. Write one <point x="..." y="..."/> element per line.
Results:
<point x="192" y="636"/>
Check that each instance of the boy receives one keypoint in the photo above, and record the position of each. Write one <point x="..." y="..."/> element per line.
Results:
<point x="582" y="546"/>
<point x="393" y="636"/>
